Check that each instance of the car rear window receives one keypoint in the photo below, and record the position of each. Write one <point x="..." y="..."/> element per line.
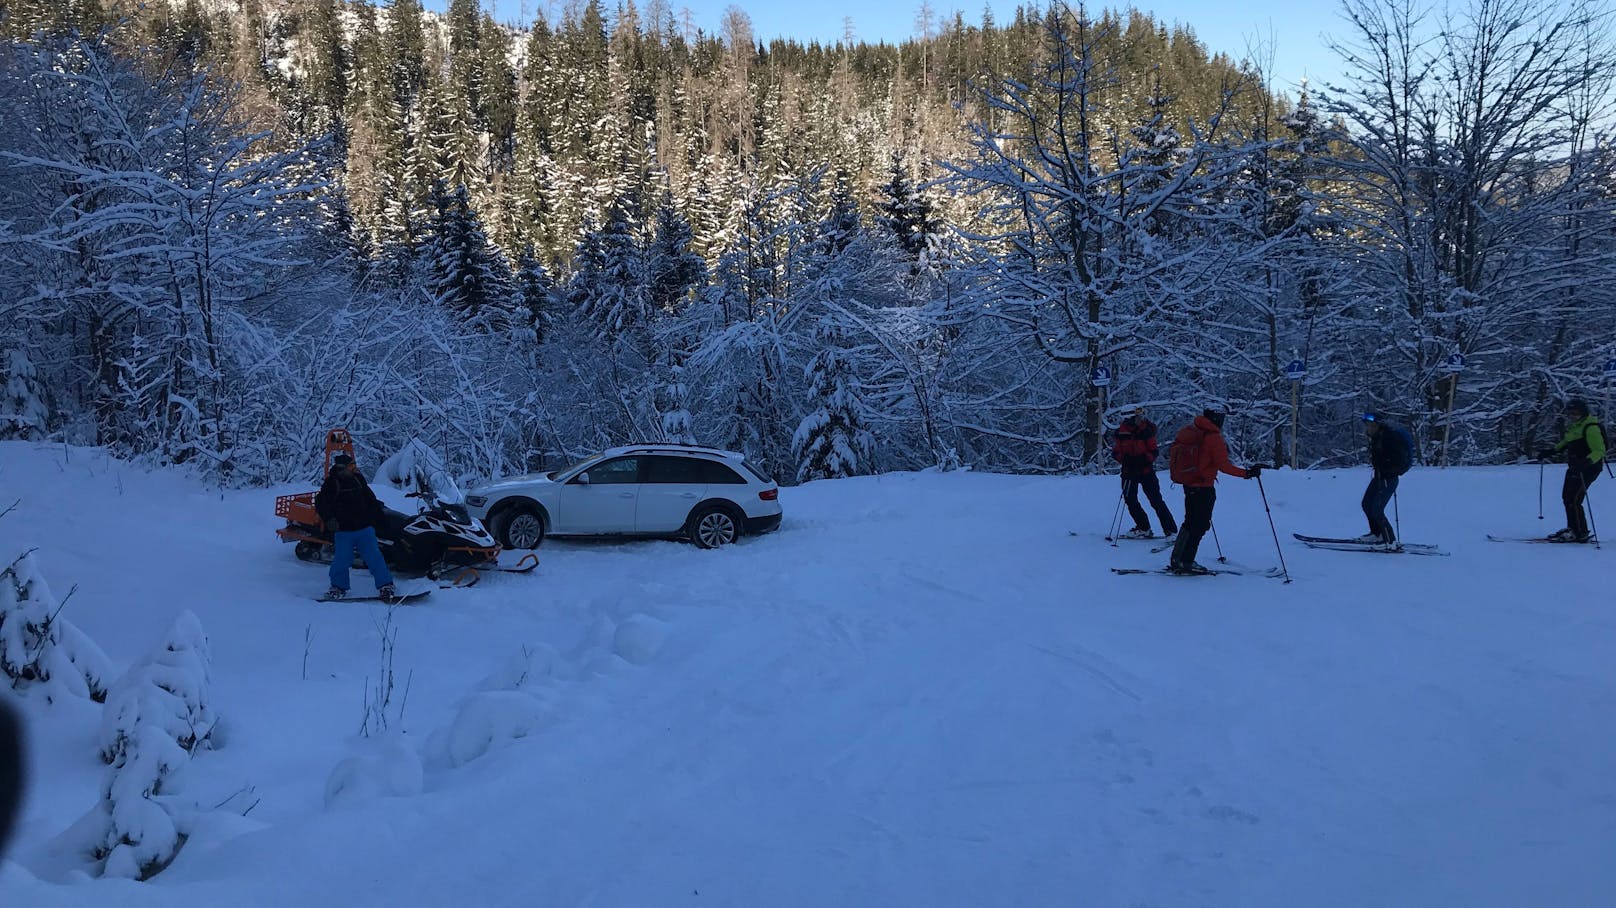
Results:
<point x="747" y="466"/>
<point x="686" y="470"/>
<point x="715" y="473"/>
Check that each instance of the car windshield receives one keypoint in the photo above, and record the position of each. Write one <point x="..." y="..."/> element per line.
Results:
<point x="582" y="464"/>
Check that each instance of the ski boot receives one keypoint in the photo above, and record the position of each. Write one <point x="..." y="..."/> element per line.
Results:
<point x="336" y="592"/>
<point x="387" y="593"/>
<point x="1193" y="569"/>
<point x="1138" y="533"/>
<point x="1564" y="535"/>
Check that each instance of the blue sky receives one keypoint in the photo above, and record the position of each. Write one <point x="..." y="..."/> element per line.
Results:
<point x="1292" y="27"/>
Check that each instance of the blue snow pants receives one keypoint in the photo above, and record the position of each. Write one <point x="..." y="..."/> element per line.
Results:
<point x="365" y="541"/>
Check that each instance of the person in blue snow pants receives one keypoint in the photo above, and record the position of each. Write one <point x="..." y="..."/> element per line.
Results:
<point x="350" y="511"/>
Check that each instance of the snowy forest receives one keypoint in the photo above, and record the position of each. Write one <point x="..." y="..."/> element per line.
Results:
<point x="229" y="225"/>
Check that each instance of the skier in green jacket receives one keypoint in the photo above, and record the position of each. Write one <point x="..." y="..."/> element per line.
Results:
<point x="1584" y="450"/>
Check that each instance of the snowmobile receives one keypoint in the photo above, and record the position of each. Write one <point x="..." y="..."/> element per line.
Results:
<point x="441" y="541"/>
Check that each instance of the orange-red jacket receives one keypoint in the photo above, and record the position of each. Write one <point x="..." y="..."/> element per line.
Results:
<point x="1214" y="454"/>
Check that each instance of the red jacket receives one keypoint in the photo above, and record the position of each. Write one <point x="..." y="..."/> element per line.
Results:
<point x="1214" y="454"/>
<point x="1135" y="447"/>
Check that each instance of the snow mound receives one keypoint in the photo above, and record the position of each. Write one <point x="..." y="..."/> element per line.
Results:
<point x="533" y="664"/>
<point x="393" y="770"/>
<point x="640" y="638"/>
<point x="488" y="721"/>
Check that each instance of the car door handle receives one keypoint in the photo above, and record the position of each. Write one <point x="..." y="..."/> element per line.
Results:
<point x="625" y="494"/>
<point x="689" y="495"/>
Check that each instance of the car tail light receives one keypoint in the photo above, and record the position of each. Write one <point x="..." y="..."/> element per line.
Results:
<point x="769" y="494"/>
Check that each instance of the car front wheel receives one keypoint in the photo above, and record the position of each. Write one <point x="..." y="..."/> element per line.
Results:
<point x="521" y="528"/>
<point x="713" y="526"/>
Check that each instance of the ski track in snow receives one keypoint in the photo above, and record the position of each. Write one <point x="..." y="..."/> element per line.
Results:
<point x="921" y="690"/>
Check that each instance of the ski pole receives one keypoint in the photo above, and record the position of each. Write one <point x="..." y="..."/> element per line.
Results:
<point x="1397" y="517"/>
<point x="1588" y="499"/>
<point x="1219" y="543"/>
<point x="1116" y="516"/>
<point x="1282" y="568"/>
<point x="1540" y="490"/>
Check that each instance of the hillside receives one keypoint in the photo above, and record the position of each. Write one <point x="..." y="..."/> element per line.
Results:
<point x="922" y="690"/>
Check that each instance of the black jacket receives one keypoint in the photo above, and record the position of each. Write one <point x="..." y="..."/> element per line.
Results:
<point x="1387" y="453"/>
<point x="348" y="501"/>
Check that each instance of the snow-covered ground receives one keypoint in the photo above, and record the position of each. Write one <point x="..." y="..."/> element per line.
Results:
<point x="922" y="690"/>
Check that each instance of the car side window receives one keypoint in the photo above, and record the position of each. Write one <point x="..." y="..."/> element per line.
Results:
<point x="685" y="470"/>
<point x="615" y="472"/>
<point x="715" y="473"/>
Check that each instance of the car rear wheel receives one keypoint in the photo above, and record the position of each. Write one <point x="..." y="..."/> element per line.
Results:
<point x="713" y="526"/>
<point x="521" y="527"/>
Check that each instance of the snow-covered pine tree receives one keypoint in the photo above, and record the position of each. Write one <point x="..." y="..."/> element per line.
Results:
<point x="140" y="825"/>
<point x="619" y="302"/>
<point x="157" y="715"/>
<point x="24" y="411"/>
<point x="832" y="441"/>
<point x="169" y="689"/>
<point x="907" y="214"/>
<point x="675" y="270"/>
<point x="39" y="649"/>
<point x="466" y="273"/>
<point x="535" y="298"/>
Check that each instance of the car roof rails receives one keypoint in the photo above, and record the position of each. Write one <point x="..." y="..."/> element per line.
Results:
<point x="658" y="447"/>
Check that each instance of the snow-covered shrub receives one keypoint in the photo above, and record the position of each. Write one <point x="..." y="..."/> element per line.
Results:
<point x="488" y="721"/>
<point x="40" y="648"/>
<point x="156" y="716"/>
<point x="167" y="690"/>
<point x="142" y="829"/>
<point x="391" y="770"/>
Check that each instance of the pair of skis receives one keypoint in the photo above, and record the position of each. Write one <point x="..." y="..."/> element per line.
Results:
<point x="1274" y="573"/>
<point x="1539" y="540"/>
<point x="1336" y="544"/>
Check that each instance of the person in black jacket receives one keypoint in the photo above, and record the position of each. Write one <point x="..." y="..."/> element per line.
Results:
<point x="351" y="511"/>
<point x="1390" y="456"/>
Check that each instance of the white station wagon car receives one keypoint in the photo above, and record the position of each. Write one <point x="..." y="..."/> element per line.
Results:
<point x="709" y="496"/>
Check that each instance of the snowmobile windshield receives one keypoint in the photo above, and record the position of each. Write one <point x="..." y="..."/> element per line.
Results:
<point x="439" y="486"/>
<point x="455" y="512"/>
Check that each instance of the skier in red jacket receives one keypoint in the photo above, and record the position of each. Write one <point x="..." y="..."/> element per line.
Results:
<point x="1135" y="449"/>
<point x="1198" y="455"/>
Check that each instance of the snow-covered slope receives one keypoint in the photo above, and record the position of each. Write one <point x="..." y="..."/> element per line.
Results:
<point x="921" y="691"/>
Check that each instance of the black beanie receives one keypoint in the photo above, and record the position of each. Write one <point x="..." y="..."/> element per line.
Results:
<point x="1216" y="416"/>
<point x="1577" y="405"/>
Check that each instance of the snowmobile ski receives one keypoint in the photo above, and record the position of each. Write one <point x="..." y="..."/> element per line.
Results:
<point x="1353" y="545"/>
<point x="401" y="599"/>
<point x="1538" y="540"/>
<point x="524" y="564"/>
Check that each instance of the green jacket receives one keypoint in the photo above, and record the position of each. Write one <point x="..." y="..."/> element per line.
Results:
<point x="1584" y="441"/>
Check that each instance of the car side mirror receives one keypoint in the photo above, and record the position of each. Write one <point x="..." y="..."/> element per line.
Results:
<point x="583" y="478"/>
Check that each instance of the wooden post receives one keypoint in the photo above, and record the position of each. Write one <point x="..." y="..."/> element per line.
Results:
<point x="1447" y="424"/>
<point x="1295" y="411"/>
